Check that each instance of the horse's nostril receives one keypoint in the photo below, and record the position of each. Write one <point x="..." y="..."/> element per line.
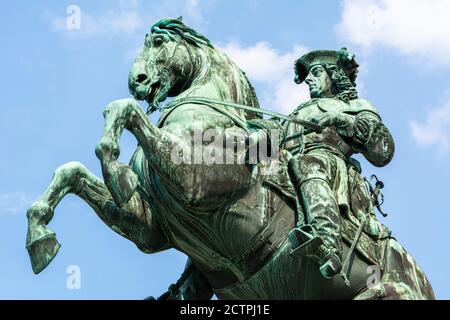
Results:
<point x="141" y="78"/>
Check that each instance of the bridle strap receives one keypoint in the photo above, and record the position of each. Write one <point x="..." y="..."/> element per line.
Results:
<point x="191" y="60"/>
<point x="167" y="68"/>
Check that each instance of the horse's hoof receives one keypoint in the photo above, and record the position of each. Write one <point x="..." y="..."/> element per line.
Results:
<point x="121" y="182"/>
<point x="43" y="251"/>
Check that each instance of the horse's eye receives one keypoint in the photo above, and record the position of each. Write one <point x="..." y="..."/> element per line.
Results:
<point x="158" y="41"/>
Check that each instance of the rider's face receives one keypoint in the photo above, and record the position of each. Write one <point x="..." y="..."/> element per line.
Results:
<point x="319" y="82"/>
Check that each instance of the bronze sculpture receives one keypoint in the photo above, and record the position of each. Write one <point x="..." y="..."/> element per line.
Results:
<point x="231" y="220"/>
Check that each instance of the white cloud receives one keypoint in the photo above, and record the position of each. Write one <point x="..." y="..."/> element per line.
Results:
<point x="122" y="22"/>
<point x="287" y="96"/>
<point x="12" y="203"/>
<point x="412" y="27"/>
<point x="435" y="130"/>
<point x="274" y="70"/>
<point x="131" y="17"/>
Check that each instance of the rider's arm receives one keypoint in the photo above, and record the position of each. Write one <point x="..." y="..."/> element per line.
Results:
<point x="363" y="131"/>
<point x="370" y="137"/>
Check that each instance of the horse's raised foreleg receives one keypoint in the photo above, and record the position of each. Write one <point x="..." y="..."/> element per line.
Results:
<point x="134" y="221"/>
<point x="157" y="144"/>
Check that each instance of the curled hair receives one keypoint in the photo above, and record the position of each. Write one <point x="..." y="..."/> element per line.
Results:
<point x="341" y="85"/>
<point x="174" y="28"/>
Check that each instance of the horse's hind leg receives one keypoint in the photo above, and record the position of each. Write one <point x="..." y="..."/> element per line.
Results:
<point x="134" y="221"/>
<point x="402" y="278"/>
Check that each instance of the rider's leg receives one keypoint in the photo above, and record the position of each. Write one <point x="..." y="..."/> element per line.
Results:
<point x="311" y="175"/>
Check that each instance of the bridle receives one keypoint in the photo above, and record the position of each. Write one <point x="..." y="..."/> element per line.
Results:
<point x="166" y="70"/>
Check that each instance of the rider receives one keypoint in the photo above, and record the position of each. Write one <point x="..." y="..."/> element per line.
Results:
<point x="318" y="168"/>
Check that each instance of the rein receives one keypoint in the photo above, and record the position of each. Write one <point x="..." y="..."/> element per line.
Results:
<point x="203" y="100"/>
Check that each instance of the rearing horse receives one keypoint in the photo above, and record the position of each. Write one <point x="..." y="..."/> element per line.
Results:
<point x="229" y="219"/>
<point x="175" y="61"/>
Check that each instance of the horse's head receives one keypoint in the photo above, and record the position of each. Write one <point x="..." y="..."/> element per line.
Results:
<point x="165" y="65"/>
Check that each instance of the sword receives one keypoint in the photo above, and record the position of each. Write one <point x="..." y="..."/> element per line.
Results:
<point x="346" y="264"/>
<point x="374" y="193"/>
<point x="307" y="124"/>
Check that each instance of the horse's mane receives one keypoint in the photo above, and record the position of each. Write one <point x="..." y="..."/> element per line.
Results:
<point x="174" y="28"/>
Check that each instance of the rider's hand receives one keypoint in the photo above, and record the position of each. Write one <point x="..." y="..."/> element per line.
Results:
<point x="345" y="123"/>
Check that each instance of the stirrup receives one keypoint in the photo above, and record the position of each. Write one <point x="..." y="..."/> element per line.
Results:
<point x="331" y="267"/>
<point x="303" y="242"/>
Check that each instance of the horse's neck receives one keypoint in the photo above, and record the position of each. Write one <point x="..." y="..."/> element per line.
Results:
<point x="226" y="83"/>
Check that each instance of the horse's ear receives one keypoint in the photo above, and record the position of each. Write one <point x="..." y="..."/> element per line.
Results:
<point x="180" y="18"/>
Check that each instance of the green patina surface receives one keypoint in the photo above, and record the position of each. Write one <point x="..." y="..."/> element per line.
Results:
<point x="241" y="227"/>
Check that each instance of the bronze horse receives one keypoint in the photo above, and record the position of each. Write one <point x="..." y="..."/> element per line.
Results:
<point x="231" y="220"/>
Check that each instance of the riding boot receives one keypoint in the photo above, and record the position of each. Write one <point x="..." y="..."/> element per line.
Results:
<point x="320" y="237"/>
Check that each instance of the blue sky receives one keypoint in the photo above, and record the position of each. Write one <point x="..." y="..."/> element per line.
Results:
<point x="55" y="83"/>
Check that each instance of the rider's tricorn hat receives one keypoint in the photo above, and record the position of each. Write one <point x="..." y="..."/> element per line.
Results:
<point x="342" y="58"/>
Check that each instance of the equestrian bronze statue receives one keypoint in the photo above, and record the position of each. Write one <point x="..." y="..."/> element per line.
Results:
<point x="298" y="223"/>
